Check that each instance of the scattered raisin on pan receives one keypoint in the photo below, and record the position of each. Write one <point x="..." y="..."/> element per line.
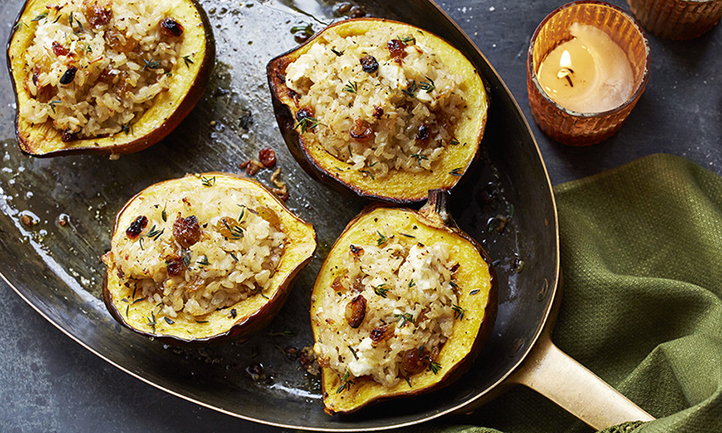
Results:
<point x="69" y="75"/>
<point x="267" y="157"/>
<point x="356" y="311"/>
<point x="137" y="226"/>
<point x="187" y="231"/>
<point x="171" y="27"/>
<point x="369" y="64"/>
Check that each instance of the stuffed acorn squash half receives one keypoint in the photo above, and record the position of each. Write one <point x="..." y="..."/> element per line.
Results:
<point x="106" y="76"/>
<point x="400" y="307"/>
<point x="381" y="108"/>
<point x="203" y="257"/>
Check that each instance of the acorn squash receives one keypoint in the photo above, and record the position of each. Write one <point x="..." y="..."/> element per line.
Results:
<point x="87" y="62"/>
<point x="204" y="257"/>
<point x="380" y="108"/>
<point x="371" y="327"/>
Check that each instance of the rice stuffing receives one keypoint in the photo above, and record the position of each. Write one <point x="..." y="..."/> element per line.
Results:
<point x="198" y="248"/>
<point x="395" y="309"/>
<point x="95" y="66"/>
<point x="379" y="101"/>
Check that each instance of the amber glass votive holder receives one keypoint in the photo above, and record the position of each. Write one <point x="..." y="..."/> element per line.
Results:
<point x="571" y="127"/>
<point x="677" y="19"/>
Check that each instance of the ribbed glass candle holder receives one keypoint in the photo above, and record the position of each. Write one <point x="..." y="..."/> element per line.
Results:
<point x="677" y="19"/>
<point x="568" y="126"/>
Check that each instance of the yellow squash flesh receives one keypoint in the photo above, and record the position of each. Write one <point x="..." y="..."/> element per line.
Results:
<point x="168" y="110"/>
<point x="402" y="186"/>
<point x="477" y="298"/>
<point x="252" y="313"/>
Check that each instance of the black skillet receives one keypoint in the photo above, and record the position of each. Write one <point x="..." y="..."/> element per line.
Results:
<point x="506" y="203"/>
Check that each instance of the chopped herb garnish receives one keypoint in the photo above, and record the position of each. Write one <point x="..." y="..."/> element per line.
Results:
<point x="151" y="321"/>
<point x="410" y="90"/>
<point x="454" y="141"/>
<point x="154" y="233"/>
<point x="40" y="17"/>
<point x="411" y="283"/>
<point x="346" y="383"/>
<point x="203" y="261"/>
<point x="168" y="320"/>
<point x="201" y="321"/>
<point x="243" y="212"/>
<point x="474" y="292"/>
<point x="404" y="318"/>
<point x="419" y="157"/>
<point x="381" y="290"/>
<point x="407" y="235"/>
<point x="151" y="64"/>
<point x="127" y="128"/>
<point x="353" y="352"/>
<point x="20" y="24"/>
<point x="53" y="104"/>
<point x="233" y="256"/>
<point x="338" y="53"/>
<point x="351" y="87"/>
<point x="407" y="39"/>
<point x="187" y="59"/>
<point x="164" y="215"/>
<point x="381" y="240"/>
<point x="138" y="300"/>
<point x="457" y="171"/>
<point x="453" y="284"/>
<point x="307" y="124"/>
<point x="57" y="18"/>
<point x="208" y="181"/>
<point x="127" y="309"/>
<point x="369" y="173"/>
<point x="186" y="259"/>
<point x="458" y="312"/>
<point x="88" y="48"/>
<point x="408" y="381"/>
<point x="434" y="367"/>
<point x="427" y="86"/>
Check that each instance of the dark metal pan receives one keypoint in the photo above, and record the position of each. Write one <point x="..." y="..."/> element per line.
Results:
<point x="506" y="203"/>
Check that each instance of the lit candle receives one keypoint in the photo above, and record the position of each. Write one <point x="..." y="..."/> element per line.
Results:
<point x="589" y="73"/>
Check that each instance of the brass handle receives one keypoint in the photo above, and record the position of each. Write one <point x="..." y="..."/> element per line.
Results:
<point x="560" y="378"/>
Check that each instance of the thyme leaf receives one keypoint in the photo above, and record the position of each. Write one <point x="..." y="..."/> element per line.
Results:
<point x="458" y="312"/>
<point x="187" y="59"/>
<point x="427" y="86"/>
<point x="208" y="181"/>
<point x="307" y="124"/>
<point x="351" y="87"/>
<point x="434" y="367"/>
<point x="40" y="17"/>
<point x="381" y="240"/>
<point x="381" y="290"/>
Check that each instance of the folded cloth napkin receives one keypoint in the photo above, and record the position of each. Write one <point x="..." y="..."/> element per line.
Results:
<point x="641" y="255"/>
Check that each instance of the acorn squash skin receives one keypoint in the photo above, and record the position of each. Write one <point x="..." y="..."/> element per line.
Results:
<point x="166" y="113"/>
<point x="252" y="314"/>
<point x="404" y="187"/>
<point x="470" y="333"/>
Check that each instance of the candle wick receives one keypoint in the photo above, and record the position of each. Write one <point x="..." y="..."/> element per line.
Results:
<point x="566" y="73"/>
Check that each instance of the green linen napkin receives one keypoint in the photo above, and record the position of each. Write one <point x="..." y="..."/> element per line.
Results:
<point x="641" y="255"/>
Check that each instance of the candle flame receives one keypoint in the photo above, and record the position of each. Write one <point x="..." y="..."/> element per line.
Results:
<point x="566" y="60"/>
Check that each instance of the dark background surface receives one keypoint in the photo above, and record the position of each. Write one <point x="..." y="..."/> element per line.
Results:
<point x="50" y="383"/>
